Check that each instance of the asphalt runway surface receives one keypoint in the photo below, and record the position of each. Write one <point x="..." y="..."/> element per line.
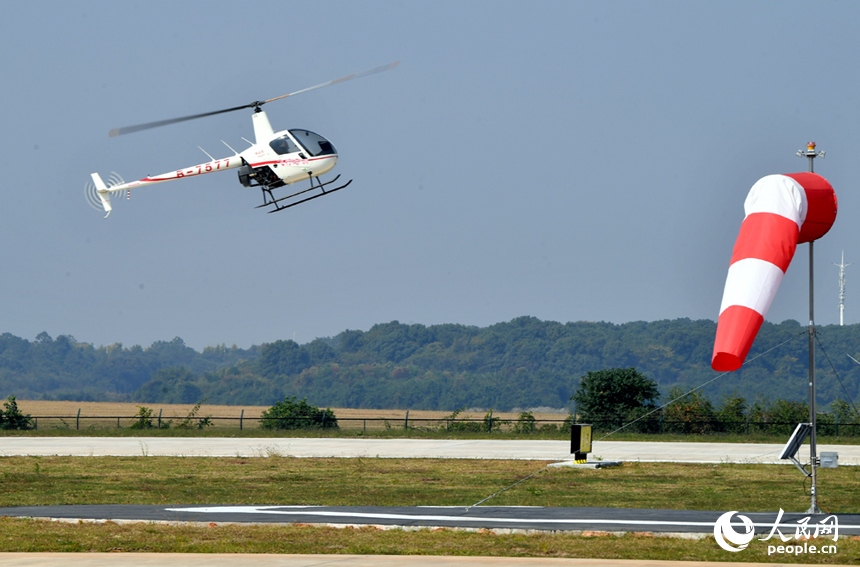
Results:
<point x="497" y="518"/>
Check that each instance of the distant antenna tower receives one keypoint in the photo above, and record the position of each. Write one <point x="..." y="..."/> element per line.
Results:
<point x="842" y="267"/>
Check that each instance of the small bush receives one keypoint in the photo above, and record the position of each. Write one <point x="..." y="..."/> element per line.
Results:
<point x="525" y="423"/>
<point x="188" y="421"/>
<point x="451" y="423"/>
<point x="293" y="414"/>
<point x="144" y="417"/>
<point x="568" y="424"/>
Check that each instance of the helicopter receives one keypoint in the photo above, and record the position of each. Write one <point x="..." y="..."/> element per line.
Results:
<point x="274" y="160"/>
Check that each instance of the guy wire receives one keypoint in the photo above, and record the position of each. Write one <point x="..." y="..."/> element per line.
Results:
<point x="833" y="368"/>
<point x="720" y="375"/>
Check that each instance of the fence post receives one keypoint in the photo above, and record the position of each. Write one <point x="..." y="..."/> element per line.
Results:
<point x="325" y="411"/>
<point x="78" y="420"/>
<point x="241" y="418"/>
<point x="159" y="417"/>
<point x="36" y="423"/>
<point x="837" y="425"/>
<point x="406" y="423"/>
<point x="661" y="422"/>
<point x="490" y="424"/>
<point x="365" y="426"/>
<point x="117" y="422"/>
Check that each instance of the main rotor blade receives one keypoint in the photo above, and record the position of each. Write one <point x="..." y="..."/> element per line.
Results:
<point x="137" y="128"/>
<point x="341" y="80"/>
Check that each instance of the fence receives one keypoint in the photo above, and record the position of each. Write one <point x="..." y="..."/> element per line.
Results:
<point x="83" y="422"/>
<point x="523" y="425"/>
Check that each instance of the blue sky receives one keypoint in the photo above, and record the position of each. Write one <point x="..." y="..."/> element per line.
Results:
<point x="573" y="161"/>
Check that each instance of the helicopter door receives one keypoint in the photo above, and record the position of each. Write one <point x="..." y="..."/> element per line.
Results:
<point x="284" y="145"/>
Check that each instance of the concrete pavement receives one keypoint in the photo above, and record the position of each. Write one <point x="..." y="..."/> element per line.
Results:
<point x="644" y="451"/>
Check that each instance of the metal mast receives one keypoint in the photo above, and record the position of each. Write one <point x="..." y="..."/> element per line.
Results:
<point x="842" y="267"/>
<point x="811" y="154"/>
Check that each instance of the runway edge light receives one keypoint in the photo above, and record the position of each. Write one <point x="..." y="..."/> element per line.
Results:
<point x="580" y="441"/>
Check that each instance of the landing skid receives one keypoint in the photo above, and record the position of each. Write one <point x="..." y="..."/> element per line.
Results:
<point x="274" y="202"/>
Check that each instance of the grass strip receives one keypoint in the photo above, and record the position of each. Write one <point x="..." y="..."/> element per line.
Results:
<point x="34" y="481"/>
<point x="45" y="536"/>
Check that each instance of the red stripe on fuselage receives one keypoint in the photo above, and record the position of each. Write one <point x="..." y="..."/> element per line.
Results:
<point x="279" y="161"/>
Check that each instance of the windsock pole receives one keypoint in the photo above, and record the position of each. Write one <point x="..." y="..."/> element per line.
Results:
<point x="811" y="154"/>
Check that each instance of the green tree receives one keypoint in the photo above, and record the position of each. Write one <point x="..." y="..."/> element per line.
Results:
<point x="786" y="414"/>
<point x="732" y="414"/>
<point x="691" y="413"/>
<point x="613" y="394"/>
<point x="283" y="358"/>
<point x="12" y="418"/>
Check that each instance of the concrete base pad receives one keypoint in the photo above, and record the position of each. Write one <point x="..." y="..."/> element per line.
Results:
<point x="588" y="465"/>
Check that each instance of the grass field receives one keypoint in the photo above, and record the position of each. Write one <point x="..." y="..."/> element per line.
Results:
<point x="282" y="480"/>
<point x="390" y="482"/>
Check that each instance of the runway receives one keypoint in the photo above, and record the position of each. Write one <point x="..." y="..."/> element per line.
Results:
<point x="503" y="519"/>
<point x="539" y="450"/>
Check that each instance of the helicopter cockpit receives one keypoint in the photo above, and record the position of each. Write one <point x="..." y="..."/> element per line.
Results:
<point x="312" y="143"/>
<point x="315" y="144"/>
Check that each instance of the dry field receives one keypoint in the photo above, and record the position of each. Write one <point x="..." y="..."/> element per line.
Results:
<point x="83" y="415"/>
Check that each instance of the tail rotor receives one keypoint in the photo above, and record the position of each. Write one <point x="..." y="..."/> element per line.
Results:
<point x="91" y="194"/>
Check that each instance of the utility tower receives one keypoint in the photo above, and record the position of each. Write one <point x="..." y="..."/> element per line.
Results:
<point x="842" y="267"/>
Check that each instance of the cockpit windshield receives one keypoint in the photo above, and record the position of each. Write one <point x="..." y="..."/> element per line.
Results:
<point x="284" y="145"/>
<point x="315" y="144"/>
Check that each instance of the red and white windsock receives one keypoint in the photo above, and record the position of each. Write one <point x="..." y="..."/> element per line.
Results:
<point x="781" y="212"/>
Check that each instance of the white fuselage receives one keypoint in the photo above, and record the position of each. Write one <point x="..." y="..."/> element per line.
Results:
<point x="294" y="162"/>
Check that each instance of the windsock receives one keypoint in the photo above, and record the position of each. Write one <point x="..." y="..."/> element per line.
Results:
<point x="781" y="211"/>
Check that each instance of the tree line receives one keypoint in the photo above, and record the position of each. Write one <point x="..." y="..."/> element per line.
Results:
<point x="614" y="398"/>
<point x="522" y="363"/>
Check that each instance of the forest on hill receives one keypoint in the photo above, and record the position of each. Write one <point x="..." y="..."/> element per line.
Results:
<point x="523" y="363"/>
